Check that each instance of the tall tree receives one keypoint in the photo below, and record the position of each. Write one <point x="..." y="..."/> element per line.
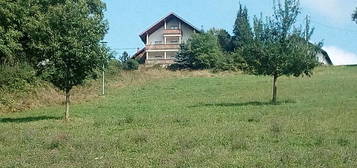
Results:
<point x="354" y="16"/>
<point x="279" y="47"/>
<point x="74" y="30"/>
<point x="11" y="15"/>
<point x="242" y="30"/>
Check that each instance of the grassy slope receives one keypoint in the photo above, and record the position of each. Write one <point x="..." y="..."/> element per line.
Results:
<point x="196" y="122"/>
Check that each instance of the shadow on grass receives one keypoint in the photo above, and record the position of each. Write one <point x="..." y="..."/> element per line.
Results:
<point x="27" y="119"/>
<point x="253" y="103"/>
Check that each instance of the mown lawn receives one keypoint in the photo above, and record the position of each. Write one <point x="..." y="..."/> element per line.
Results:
<point x="219" y="121"/>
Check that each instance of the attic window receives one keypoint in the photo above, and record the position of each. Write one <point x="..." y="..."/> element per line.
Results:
<point x="174" y="27"/>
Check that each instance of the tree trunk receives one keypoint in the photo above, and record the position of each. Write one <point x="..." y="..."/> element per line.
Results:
<point x="275" y="89"/>
<point x="66" y="115"/>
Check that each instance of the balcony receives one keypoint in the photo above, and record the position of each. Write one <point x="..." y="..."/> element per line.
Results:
<point x="172" y="32"/>
<point x="163" y="47"/>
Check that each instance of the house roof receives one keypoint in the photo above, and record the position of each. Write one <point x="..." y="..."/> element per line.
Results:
<point x="161" y="22"/>
<point x="327" y="57"/>
<point x="138" y="53"/>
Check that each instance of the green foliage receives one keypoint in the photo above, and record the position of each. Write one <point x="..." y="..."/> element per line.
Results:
<point x="354" y="16"/>
<point x="17" y="77"/>
<point x="131" y="64"/>
<point x="202" y="51"/>
<point x="242" y="30"/>
<point x="124" y="57"/>
<point x="224" y="39"/>
<point x="10" y="33"/>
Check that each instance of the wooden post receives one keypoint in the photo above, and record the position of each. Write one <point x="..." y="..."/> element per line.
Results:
<point x="165" y="25"/>
<point x="66" y="114"/>
<point x="275" y="78"/>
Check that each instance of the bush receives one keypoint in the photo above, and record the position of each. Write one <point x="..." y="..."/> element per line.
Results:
<point x="202" y="51"/>
<point x="131" y="64"/>
<point x="17" y="77"/>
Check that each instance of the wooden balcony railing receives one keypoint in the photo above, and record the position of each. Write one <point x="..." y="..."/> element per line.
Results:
<point x="172" y="31"/>
<point x="162" y="46"/>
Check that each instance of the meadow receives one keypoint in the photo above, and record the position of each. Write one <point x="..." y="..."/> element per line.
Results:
<point x="186" y="120"/>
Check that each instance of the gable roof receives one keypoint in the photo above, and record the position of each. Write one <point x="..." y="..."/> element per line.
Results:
<point x="161" y="22"/>
<point x="326" y="57"/>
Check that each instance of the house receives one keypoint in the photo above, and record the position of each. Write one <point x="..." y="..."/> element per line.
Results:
<point x="162" y="40"/>
<point x="324" y="58"/>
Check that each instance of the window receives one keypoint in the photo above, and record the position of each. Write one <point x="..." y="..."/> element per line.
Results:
<point x="174" y="27"/>
<point x="158" y="42"/>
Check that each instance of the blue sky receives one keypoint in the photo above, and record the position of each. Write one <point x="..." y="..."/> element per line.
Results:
<point x="331" y="18"/>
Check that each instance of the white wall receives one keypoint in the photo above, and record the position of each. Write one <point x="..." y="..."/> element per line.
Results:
<point x="157" y="36"/>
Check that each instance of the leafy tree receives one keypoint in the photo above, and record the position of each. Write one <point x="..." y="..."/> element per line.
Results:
<point x="73" y="33"/>
<point x="124" y="57"/>
<point x="354" y="16"/>
<point x="242" y="30"/>
<point x="279" y="47"/>
<point x="201" y="51"/>
<point x="11" y="14"/>
<point x="224" y="39"/>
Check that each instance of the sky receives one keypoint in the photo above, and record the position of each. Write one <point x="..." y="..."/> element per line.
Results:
<point x="331" y="19"/>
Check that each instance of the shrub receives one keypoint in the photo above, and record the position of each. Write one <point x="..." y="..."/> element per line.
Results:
<point x="202" y="51"/>
<point x="131" y="64"/>
<point x="17" y="77"/>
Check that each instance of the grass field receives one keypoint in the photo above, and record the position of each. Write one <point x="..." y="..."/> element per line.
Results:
<point x="217" y="121"/>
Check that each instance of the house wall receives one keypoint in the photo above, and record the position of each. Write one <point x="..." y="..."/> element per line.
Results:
<point x="187" y="32"/>
<point x="156" y="36"/>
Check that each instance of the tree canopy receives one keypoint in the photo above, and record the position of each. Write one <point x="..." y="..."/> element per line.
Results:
<point x="354" y="16"/>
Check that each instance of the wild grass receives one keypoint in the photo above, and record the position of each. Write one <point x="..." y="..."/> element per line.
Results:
<point x="182" y="119"/>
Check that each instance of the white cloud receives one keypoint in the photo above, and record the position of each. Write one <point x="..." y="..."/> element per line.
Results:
<point x="340" y="56"/>
<point x="338" y="11"/>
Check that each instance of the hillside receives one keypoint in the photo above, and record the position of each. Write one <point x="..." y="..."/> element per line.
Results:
<point x="191" y="120"/>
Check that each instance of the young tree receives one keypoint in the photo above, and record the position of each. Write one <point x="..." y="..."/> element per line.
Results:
<point x="74" y="32"/>
<point x="279" y="47"/>
<point x="241" y="30"/>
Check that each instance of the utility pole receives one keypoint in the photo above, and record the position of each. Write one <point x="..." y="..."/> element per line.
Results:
<point x="103" y="74"/>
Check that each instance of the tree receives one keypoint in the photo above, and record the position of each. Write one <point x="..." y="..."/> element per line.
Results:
<point x="74" y="30"/>
<point x="11" y="14"/>
<point x="279" y="47"/>
<point x="354" y="16"/>
<point x="201" y="51"/>
<point x="224" y="39"/>
<point x="124" y="57"/>
<point x="241" y="30"/>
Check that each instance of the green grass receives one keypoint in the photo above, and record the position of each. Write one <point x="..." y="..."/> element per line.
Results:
<point x="219" y="121"/>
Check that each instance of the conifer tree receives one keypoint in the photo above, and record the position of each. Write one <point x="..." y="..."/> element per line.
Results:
<point x="242" y="30"/>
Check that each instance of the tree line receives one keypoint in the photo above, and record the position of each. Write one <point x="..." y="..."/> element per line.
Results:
<point x="273" y="46"/>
